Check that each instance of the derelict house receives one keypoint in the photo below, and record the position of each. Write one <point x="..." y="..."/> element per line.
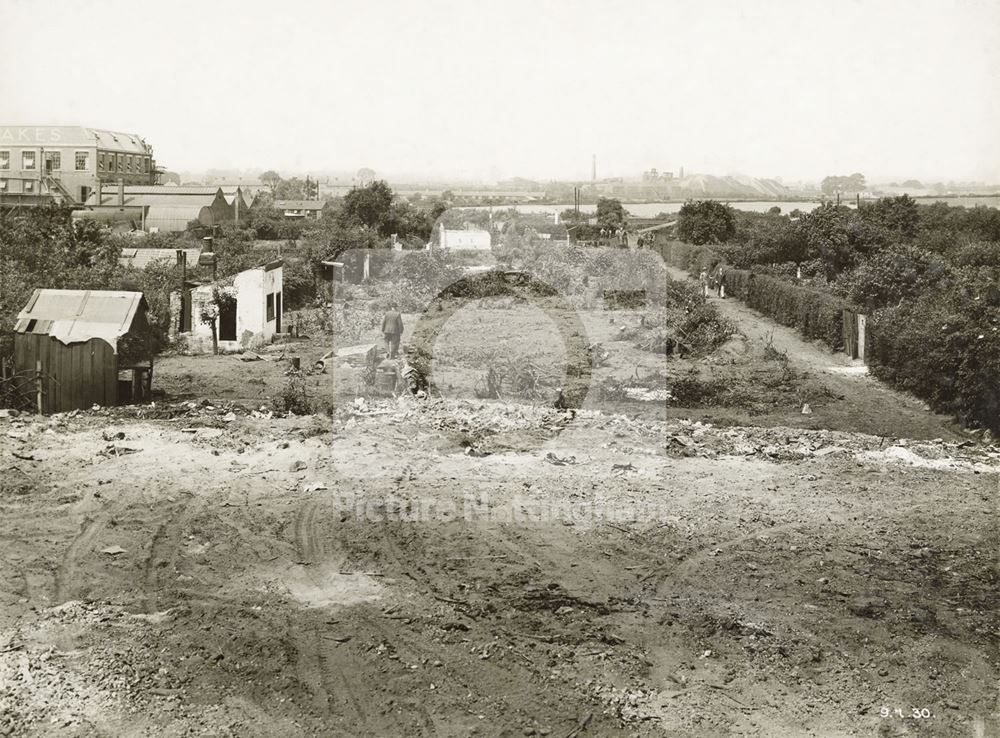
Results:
<point x="250" y="316"/>
<point x="77" y="348"/>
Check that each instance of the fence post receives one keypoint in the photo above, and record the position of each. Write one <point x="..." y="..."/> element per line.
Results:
<point x="38" y="383"/>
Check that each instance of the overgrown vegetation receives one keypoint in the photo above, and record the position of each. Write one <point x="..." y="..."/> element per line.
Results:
<point x="928" y="277"/>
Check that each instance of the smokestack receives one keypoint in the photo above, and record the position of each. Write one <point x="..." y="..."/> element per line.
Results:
<point x="121" y="193"/>
<point x="593" y="167"/>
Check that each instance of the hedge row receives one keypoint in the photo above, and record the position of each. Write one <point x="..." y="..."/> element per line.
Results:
<point x="945" y="349"/>
<point x="687" y="256"/>
<point x="943" y="346"/>
<point x="816" y="314"/>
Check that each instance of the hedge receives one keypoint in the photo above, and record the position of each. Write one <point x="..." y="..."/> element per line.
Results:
<point x="687" y="256"/>
<point x="945" y="351"/>
<point x="942" y="346"/>
<point x="816" y="314"/>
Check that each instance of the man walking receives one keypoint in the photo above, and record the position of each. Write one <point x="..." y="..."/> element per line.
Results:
<point x="392" y="329"/>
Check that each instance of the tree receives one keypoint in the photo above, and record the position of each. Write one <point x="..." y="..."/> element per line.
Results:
<point x="706" y="221"/>
<point x="271" y="178"/>
<point x="898" y="216"/>
<point x="610" y="213"/>
<point x="851" y="183"/>
<point x="369" y="206"/>
<point x="290" y="189"/>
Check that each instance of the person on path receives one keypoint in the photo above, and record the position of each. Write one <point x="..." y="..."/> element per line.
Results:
<point x="392" y="329"/>
<point x="703" y="278"/>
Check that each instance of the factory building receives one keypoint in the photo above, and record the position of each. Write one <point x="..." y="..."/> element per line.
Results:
<point x="64" y="164"/>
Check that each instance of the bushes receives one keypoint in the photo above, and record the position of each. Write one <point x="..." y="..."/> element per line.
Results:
<point x="816" y="314"/>
<point x="944" y="347"/>
<point x="689" y="257"/>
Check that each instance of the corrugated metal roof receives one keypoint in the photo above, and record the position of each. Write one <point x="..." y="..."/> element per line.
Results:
<point x="170" y="189"/>
<point x="168" y="217"/>
<point x="73" y="316"/>
<point x="299" y="204"/>
<point x="110" y="197"/>
<point x="140" y="257"/>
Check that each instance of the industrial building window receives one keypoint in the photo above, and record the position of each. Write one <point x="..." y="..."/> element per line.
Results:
<point x="100" y="162"/>
<point x="120" y="161"/>
<point x="29" y="186"/>
<point x="270" y="307"/>
<point x="3" y="185"/>
<point x="4" y="160"/>
<point x="81" y="161"/>
<point x="27" y="160"/>
<point x="128" y="163"/>
<point x="145" y="165"/>
<point x="54" y="160"/>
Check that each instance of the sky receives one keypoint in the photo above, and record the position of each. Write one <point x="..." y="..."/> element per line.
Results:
<point x="796" y="89"/>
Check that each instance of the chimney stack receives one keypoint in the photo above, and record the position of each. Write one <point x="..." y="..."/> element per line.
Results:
<point x="121" y="193"/>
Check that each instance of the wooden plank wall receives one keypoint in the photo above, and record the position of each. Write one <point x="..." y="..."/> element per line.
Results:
<point x="75" y="376"/>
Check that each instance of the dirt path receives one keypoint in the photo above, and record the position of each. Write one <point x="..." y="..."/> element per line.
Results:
<point x="870" y="405"/>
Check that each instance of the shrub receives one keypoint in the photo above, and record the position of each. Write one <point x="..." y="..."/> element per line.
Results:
<point x="706" y="221"/>
<point x="944" y="347"/>
<point x="889" y="275"/>
<point x="292" y="398"/>
<point x="815" y="313"/>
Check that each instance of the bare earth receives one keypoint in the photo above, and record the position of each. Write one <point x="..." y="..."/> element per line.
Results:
<point x="196" y="569"/>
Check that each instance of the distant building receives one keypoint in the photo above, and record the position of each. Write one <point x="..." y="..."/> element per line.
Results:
<point x="470" y="239"/>
<point x="296" y="209"/>
<point x="160" y="209"/>
<point x="252" y="319"/>
<point x="43" y="164"/>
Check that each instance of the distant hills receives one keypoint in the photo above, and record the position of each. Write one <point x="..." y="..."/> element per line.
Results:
<point x="739" y="186"/>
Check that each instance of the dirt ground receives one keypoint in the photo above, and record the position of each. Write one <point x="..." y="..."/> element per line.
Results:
<point x="460" y="567"/>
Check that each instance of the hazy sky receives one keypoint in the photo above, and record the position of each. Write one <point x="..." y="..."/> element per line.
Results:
<point x="790" y="88"/>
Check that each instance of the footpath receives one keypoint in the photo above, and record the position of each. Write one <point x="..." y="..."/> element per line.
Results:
<point x="877" y="408"/>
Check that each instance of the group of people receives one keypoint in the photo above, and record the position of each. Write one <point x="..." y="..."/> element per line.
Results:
<point x="716" y="281"/>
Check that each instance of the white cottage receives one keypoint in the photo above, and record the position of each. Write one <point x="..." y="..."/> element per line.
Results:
<point x="467" y="239"/>
<point x="247" y="310"/>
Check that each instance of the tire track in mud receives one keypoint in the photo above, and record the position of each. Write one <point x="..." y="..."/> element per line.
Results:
<point x="686" y="566"/>
<point x="164" y="547"/>
<point x="308" y="543"/>
<point x="79" y="547"/>
<point x="325" y="666"/>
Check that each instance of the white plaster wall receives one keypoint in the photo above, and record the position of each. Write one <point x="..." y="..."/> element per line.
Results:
<point x="478" y="240"/>
<point x="252" y="326"/>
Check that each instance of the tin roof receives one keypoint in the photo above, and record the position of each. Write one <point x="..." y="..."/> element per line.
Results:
<point x="140" y="257"/>
<point x="172" y="189"/>
<point x="299" y="204"/>
<point x="175" y="217"/>
<point x="74" y="316"/>
<point x="110" y="197"/>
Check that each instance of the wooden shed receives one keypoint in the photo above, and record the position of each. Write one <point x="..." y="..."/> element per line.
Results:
<point x="74" y="346"/>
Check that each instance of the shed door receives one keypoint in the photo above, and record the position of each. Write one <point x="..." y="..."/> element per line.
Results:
<point x="185" y="323"/>
<point x="277" y="312"/>
<point x="227" y="322"/>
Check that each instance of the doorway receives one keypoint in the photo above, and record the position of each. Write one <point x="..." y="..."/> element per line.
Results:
<point x="227" y="321"/>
